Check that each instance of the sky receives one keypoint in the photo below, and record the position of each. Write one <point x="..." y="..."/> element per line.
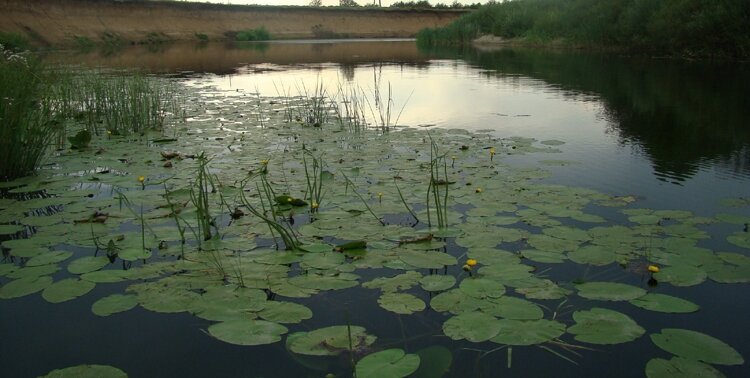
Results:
<point x="329" y="2"/>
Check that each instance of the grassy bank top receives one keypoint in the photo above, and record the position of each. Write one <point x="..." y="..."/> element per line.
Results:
<point x="693" y="28"/>
<point x="201" y="6"/>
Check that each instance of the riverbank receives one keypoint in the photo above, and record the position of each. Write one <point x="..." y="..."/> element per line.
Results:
<point x="50" y="22"/>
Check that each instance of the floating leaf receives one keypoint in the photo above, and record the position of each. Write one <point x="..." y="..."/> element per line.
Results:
<point x="10" y="229"/>
<point x="67" y="289"/>
<point x="528" y="332"/>
<point x="679" y="367"/>
<point x="473" y="326"/>
<point x="402" y="281"/>
<point x="482" y="288"/>
<point x="546" y="257"/>
<point x="437" y="282"/>
<point x="387" y="363"/>
<point x="113" y="304"/>
<point x="329" y="341"/>
<point x="609" y="291"/>
<point x="593" y="255"/>
<point x="24" y="286"/>
<point x="435" y="362"/>
<point x="87" y="264"/>
<point x="429" y="259"/>
<point x="696" y="346"/>
<point x="248" y="332"/>
<point x="87" y="371"/>
<point x="285" y="312"/>
<point x="603" y="326"/>
<point x="52" y="257"/>
<point x="546" y="289"/>
<point x="681" y="275"/>
<point x="740" y="239"/>
<point x="512" y="308"/>
<point x="664" y="303"/>
<point x="401" y="303"/>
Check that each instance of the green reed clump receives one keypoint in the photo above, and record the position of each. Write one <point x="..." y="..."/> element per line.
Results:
<point x="27" y="117"/>
<point x="199" y="194"/>
<point x="267" y="213"/>
<point x="438" y="186"/>
<point x="250" y="35"/>
<point x="314" y="176"/>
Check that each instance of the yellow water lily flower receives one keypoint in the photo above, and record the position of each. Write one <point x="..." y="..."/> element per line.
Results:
<point x="492" y="150"/>
<point x="471" y="262"/>
<point x="141" y="179"/>
<point x="264" y="162"/>
<point x="478" y="190"/>
<point x="653" y="269"/>
<point x="315" y="205"/>
<point x="466" y="267"/>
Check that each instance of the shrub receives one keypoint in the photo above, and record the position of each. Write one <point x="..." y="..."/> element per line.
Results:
<point x="257" y="34"/>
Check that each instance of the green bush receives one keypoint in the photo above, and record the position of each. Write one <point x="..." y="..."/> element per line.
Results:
<point x="257" y="34"/>
<point x="677" y="27"/>
<point x="13" y="41"/>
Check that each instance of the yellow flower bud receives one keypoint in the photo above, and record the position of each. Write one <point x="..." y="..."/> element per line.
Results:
<point x="478" y="190"/>
<point x="471" y="262"/>
<point x="141" y="179"/>
<point x="466" y="267"/>
<point x="653" y="269"/>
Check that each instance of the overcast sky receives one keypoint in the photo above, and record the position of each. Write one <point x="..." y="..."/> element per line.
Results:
<point x="330" y="2"/>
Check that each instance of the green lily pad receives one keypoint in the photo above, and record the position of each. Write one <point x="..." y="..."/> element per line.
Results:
<point x="664" y="303"/>
<point x="546" y="257"/>
<point x="428" y="259"/>
<point x="10" y="229"/>
<point x="473" y="326"/>
<point x="546" y="289"/>
<point x="52" y="257"/>
<point x="387" y="363"/>
<point x="285" y="312"/>
<point x="512" y="308"/>
<point x="134" y="254"/>
<point x="87" y="371"/>
<point x="609" y="291"/>
<point x="67" y="289"/>
<point x="24" y="286"/>
<point x="603" y="326"/>
<point x="320" y="282"/>
<point x="329" y="341"/>
<point x="679" y="367"/>
<point x="113" y="304"/>
<point x="437" y="282"/>
<point x="248" y="332"/>
<point x="105" y="276"/>
<point x="482" y="288"/>
<point x="87" y="264"/>
<point x="681" y="275"/>
<point x="740" y="239"/>
<point x="401" y="303"/>
<point x="530" y="332"/>
<point x="435" y="362"/>
<point x="593" y="255"/>
<point x="696" y="346"/>
<point x="402" y="281"/>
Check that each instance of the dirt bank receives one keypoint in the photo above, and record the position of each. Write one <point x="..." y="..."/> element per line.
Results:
<point x="60" y="22"/>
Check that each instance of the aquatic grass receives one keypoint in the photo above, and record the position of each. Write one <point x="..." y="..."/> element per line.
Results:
<point x="29" y="123"/>
<point x="439" y="196"/>
<point x="367" y="206"/>
<point x="268" y="214"/>
<point x="199" y="193"/>
<point x="316" y="106"/>
<point x="314" y="179"/>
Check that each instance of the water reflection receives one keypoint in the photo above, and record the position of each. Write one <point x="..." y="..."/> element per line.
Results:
<point x="684" y="115"/>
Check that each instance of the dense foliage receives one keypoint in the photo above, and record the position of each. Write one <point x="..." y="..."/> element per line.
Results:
<point x="677" y="27"/>
<point x="257" y="34"/>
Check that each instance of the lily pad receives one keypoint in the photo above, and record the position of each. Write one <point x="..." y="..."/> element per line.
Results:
<point x="248" y="332"/>
<point x="740" y="239"/>
<point x="329" y="341"/>
<point x="603" y="326"/>
<point x="285" y="312"/>
<point x="387" y="363"/>
<point x="52" y="257"/>
<point x="482" y="288"/>
<point x="679" y="367"/>
<point x="512" y="308"/>
<point x="696" y="346"/>
<point x="530" y="332"/>
<point x="664" y="303"/>
<point x="681" y="275"/>
<point x="402" y="281"/>
<point x="113" y="304"/>
<point x="401" y="303"/>
<point x="67" y="289"/>
<point x="435" y="362"/>
<point x="24" y="286"/>
<point x="428" y="259"/>
<point x="87" y="264"/>
<point x="593" y="255"/>
<point x="609" y="291"/>
<point x="87" y="371"/>
<point x="437" y="282"/>
<point x="473" y="326"/>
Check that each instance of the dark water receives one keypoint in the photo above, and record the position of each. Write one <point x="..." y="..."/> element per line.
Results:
<point x="674" y="134"/>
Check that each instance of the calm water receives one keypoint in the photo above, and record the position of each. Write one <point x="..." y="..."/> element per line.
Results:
<point x="674" y="134"/>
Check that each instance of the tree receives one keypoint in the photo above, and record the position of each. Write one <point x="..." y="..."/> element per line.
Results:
<point x="348" y="3"/>
<point x="316" y="3"/>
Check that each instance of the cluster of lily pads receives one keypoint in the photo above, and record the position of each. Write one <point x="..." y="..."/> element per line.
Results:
<point x="123" y="210"/>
